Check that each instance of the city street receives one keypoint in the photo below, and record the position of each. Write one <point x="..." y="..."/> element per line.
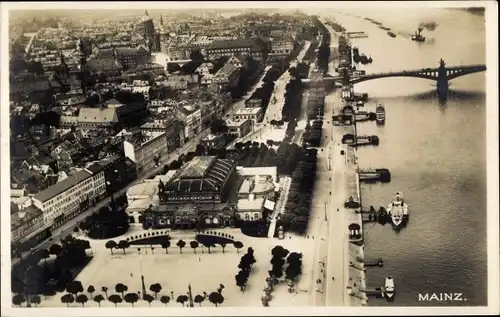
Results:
<point x="274" y="109"/>
<point x="337" y="263"/>
<point x="328" y="225"/>
<point x="322" y="207"/>
<point x="241" y="102"/>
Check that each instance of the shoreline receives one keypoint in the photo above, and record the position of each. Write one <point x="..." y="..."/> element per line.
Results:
<point x="346" y="176"/>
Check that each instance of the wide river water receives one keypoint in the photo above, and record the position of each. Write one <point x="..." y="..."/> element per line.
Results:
<point x="435" y="152"/>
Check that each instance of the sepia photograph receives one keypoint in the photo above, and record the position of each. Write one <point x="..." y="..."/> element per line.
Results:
<point x="249" y="158"/>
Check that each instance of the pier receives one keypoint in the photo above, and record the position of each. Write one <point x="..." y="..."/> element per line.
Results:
<point x="373" y="175"/>
<point x="374" y="262"/>
<point x="356" y="35"/>
<point x="377" y="292"/>
<point x="361" y="116"/>
<point x="366" y="140"/>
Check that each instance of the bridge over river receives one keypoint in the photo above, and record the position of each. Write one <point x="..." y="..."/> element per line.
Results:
<point x="442" y="75"/>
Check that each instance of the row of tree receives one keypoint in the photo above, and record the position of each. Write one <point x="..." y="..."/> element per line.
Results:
<point x="75" y="293"/>
<point x="253" y="154"/>
<point x="108" y="222"/>
<point x="245" y="266"/>
<point x="298" y="202"/>
<point x="29" y="277"/>
<point x="166" y="243"/>
<point x="293" y="92"/>
<point x="293" y="264"/>
<point x="312" y="134"/>
<point x="265" y="92"/>
<point x="247" y="76"/>
<point x="315" y="103"/>
<point x="324" y="52"/>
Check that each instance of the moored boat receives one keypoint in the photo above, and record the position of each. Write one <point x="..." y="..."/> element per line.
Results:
<point x="398" y="210"/>
<point x="389" y="287"/>
<point x="380" y="114"/>
<point x="391" y="34"/>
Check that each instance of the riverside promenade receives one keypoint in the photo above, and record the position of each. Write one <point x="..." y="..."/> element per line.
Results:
<point x="345" y="275"/>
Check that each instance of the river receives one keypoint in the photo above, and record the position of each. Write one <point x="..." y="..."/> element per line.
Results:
<point x="436" y="153"/>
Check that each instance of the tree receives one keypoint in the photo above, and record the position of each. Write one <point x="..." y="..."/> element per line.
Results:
<point x="115" y="299"/>
<point x="223" y="245"/>
<point x="292" y="271"/>
<point x="18" y="299"/>
<point x="181" y="244"/>
<point x="74" y="287"/>
<point x="148" y="298"/>
<point x="155" y="288"/>
<point x="245" y="264"/>
<point x="194" y="245"/>
<point x="272" y="75"/>
<point x="196" y="56"/>
<point x="279" y="251"/>
<point x="105" y="290"/>
<point x="131" y="298"/>
<point x="208" y="245"/>
<point x="55" y="249"/>
<point x="110" y="245"/>
<point x="242" y="278"/>
<point x="220" y="288"/>
<point x="123" y="244"/>
<point x="216" y="298"/>
<point x="238" y="245"/>
<point x="238" y="146"/>
<point x="218" y="126"/>
<point x="91" y="290"/>
<point x="190" y="67"/>
<point x="198" y="299"/>
<point x="166" y="245"/>
<point x="182" y="299"/>
<point x="121" y="288"/>
<point x="82" y="299"/>
<point x="35" y="299"/>
<point x="165" y="299"/>
<point x="98" y="299"/>
<point x="44" y="254"/>
<point x="67" y="299"/>
<point x="173" y="67"/>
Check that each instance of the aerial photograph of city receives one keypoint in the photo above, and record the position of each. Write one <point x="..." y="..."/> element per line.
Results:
<point x="246" y="157"/>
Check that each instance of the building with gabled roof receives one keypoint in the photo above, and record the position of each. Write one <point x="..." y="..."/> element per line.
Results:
<point x="97" y="117"/>
<point x="128" y="57"/>
<point x="69" y="197"/>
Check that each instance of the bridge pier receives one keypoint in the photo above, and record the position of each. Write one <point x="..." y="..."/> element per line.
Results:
<point x="442" y="82"/>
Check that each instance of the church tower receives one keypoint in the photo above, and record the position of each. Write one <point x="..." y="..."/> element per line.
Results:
<point x="83" y="66"/>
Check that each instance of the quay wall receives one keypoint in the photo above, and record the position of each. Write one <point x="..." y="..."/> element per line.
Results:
<point x="356" y="284"/>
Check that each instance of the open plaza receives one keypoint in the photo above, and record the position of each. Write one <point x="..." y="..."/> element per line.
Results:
<point x="203" y="271"/>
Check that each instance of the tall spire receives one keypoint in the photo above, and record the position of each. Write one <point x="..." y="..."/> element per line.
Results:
<point x="146" y="12"/>
<point x="83" y="63"/>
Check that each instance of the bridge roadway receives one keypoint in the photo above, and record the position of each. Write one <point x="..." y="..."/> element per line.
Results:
<point x="425" y="73"/>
